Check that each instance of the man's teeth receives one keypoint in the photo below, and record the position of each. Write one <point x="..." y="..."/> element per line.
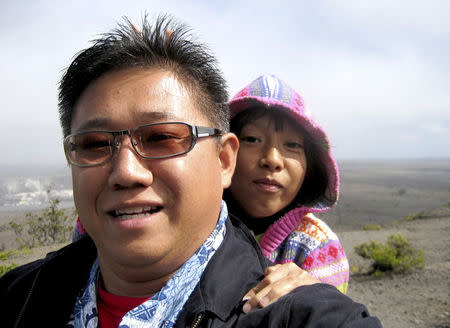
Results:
<point x="133" y="213"/>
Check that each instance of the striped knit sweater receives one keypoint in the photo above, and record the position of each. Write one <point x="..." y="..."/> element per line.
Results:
<point x="311" y="244"/>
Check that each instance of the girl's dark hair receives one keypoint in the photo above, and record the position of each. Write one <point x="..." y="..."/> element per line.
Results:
<point x="167" y="45"/>
<point x="315" y="184"/>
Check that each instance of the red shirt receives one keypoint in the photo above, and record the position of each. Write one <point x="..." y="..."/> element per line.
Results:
<point x="111" y="308"/>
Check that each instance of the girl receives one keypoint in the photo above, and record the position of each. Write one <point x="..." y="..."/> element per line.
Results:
<point x="285" y="174"/>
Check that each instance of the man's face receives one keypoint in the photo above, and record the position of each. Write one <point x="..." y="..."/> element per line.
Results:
<point x="147" y="213"/>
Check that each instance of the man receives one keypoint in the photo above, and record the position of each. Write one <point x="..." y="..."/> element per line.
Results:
<point x="145" y="131"/>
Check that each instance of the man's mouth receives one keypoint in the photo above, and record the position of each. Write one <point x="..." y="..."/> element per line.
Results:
<point x="135" y="213"/>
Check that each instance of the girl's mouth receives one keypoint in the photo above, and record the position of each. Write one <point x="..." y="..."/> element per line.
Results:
<point x="268" y="185"/>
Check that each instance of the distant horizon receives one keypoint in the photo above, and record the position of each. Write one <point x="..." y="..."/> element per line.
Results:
<point x="408" y="185"/>
<point x="343" y="158"/>
<point x="6" y="169"/>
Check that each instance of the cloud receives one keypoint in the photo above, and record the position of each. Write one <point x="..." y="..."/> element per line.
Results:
<point x="376" y="74"/>
<point x="408" y="16"/>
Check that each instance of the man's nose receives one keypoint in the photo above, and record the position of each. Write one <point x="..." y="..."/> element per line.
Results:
<point x="272" y="159"/>
<point x="129" y="169"/>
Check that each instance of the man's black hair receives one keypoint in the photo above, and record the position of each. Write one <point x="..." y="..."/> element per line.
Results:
<point x="167" y="45"/>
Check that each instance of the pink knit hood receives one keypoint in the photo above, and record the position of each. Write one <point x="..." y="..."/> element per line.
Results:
<point x="274" y="94"/>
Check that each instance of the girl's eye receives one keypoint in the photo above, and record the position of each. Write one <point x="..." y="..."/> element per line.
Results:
<point x="294" y="145"/>
<point x="250" y="139"/>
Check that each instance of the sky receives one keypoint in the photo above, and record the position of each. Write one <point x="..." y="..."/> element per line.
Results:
<point x="375" y="74"/>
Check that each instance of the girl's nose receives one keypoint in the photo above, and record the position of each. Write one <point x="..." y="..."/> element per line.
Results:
<point x="272" y="159"/>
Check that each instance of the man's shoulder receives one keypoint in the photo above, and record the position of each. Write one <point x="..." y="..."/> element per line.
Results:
<point x="240" y="234"/>
<point x="318" y="305"/>
<point x="238" y="252"/>
<point x="64" y="259"/>
<point x="8" y="280"/>
<point x="323" y="305"/>
<point x="28" y="291"/>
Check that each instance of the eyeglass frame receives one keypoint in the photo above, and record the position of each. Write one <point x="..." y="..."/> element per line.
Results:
<point x="196" y="133"/>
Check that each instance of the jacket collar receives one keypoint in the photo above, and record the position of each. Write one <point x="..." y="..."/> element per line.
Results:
<point x="228" y="277"/>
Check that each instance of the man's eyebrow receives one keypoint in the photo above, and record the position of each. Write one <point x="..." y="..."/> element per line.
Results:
<point x="92" y="124"/>
<point x="158" y="116"/>
<point x="145" y="118"/>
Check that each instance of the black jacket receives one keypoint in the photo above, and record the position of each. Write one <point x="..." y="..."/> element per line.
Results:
<point x="43" y="293"/>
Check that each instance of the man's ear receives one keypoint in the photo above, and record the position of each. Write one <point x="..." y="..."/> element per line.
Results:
<point x="227" y="157"/>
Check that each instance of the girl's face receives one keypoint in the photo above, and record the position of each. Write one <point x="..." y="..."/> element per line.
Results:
<point x="271" y="167"/>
